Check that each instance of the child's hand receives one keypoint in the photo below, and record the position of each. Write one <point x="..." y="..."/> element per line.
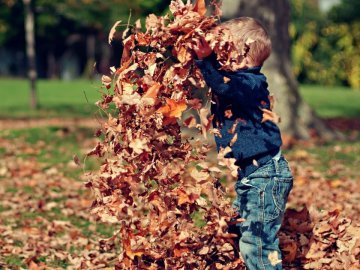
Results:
<point x="202" y="48"/>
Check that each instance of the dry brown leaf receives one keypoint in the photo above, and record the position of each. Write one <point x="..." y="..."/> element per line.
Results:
<point x="228" y="114"/>
<point x="289" y="250"/>
<point x="199" y="175"/>
<point x="274" y="258"/>
<point x="153" y="91"/>
<point x="190" y="122"/>
<point x="270" y="116"/>
<point x="106" y="81"/>
<point x="226" y="79"/>
<point x="234" y="139"/>
<point x="113" y="31"/>
<point x="76" y="160"/>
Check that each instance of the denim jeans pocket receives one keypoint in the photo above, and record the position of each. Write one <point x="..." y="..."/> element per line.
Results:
<point x="284" y="167"/>
<point x="280" y="192"/>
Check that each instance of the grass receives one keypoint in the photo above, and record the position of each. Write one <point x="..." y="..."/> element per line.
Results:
<point x="14" y="261"/>
<point x="332" y="101"/>
<point x="343" y="154"/>
<point x="54" y="146"/>
<point x="76" y="99"/>
<point x="56" y="98"/>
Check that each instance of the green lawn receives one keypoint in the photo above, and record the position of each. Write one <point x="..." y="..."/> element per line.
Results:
<point x="332" y="101"/>
<point x="76" y="99"/>
<point x="56" y="98"/>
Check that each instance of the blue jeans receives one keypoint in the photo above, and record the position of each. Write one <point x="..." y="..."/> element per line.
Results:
<point x="261" y="200"/>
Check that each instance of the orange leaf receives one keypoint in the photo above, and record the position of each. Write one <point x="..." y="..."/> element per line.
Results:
<point x="178" y="251"/>
<point x="182" y="196"/>
<point x="153" y="91"/>
<point x="173" y="108"/>
<point x="226" y="79"/>
<point x="130" y="253"/>
<point x="183" y="55"/>
<point x="228" y="113"/>
<point x="142" y="39"/>
<point x="270" y="116"/>
<point x="272" y="101"/>
<point x="34" y="266"/>
<point x="200" y="7"/>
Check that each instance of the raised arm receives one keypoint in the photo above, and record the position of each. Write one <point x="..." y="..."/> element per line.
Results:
<point x="212" y="76"/>
<point x="242" y="87"/>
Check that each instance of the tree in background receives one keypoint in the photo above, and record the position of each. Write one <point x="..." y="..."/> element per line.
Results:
<point x="61" y="25"/>
<point x="30" y="51"/>
<point x="84" y="26"/>
<point x="326" y="47"/>
<point x="348" y="11"/>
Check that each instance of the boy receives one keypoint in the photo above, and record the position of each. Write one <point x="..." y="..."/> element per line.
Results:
<point x="264" y="180"/>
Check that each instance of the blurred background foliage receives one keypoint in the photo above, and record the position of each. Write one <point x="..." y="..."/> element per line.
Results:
<point x="71" y="35"/>
<point x="326" y="45"/>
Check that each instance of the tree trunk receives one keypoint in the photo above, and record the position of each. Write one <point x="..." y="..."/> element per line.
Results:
<point x="90" y="53"/>
<point x="104" y="64"/>
<point x="298" y="119"/>
<point x="52" y="68"/>
<point x="30" y="51"/>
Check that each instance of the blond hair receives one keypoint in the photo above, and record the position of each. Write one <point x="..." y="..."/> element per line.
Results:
<point x="248" y="31"/>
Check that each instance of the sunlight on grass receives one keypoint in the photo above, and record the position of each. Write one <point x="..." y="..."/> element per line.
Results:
<point x="332" y="101"/>
<point x="56" y="98"/>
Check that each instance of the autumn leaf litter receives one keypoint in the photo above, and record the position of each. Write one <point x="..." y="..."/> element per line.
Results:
<point x="157" y="188"/>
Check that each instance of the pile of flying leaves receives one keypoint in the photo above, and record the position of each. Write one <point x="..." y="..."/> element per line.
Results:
<point x="170" y="207"/>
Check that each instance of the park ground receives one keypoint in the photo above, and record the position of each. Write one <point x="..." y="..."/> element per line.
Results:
<point x="45" y="222"/>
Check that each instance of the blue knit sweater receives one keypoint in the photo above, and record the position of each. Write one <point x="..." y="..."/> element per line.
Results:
<point x="239" y="98"/>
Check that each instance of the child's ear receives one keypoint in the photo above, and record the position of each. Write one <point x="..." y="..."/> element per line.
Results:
<point x="248" y="62"/>
<point x="243" y="63"/>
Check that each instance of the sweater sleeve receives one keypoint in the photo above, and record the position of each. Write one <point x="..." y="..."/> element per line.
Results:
<point x="212" y="77"/>
<point x="240" y="88"/>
